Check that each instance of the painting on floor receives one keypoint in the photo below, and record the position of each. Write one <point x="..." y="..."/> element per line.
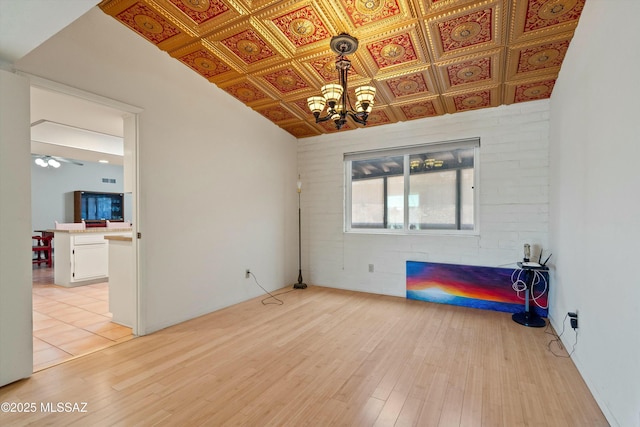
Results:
<point x="489" y="288"/>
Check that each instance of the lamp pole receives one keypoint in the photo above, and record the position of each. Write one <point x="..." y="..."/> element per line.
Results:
<point x="300" y="284"/>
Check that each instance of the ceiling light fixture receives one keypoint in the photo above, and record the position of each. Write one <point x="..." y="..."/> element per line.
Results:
<point x="47" y="161"/>
<point x="336" y="96"/>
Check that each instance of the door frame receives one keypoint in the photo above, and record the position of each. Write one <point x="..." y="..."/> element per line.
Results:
<point x="131" y="173"/>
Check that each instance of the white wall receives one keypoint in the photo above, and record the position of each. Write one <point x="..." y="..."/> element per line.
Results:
<point x="52" y="190"/>
<point x="513" y="191"/>
<point x="16" y="343"/>
<point x="216" y="180"/>
<point x="595" y="208"/>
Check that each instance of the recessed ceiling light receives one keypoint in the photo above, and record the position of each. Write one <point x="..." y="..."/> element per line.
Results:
<point x="103" y="161"/>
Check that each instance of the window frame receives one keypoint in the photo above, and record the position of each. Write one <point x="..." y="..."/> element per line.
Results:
<point x="406" y="152"/>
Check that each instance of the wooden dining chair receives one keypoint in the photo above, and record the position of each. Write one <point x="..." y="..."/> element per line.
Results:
<point x="41" y="246"/>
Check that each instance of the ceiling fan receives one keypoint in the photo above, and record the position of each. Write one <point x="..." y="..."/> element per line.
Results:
<point x="53" y="161"/>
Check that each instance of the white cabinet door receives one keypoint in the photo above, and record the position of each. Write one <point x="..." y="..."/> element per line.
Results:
<point x="90" y="261"/>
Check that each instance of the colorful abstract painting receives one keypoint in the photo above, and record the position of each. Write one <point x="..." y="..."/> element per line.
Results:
<point x="487" y="288"/>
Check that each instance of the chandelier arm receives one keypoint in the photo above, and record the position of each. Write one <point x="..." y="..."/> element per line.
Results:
<point x="323" y="119"/>
<point x="359" y="118"/>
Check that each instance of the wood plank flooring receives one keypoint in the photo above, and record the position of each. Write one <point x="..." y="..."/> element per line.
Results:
<point x="325" y="358"/>
<point x="69" y="322"/>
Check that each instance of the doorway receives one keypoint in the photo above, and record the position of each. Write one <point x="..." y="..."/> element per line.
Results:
<point x="73" y="321"/>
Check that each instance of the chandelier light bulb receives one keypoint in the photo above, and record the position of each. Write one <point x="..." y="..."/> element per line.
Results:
<point x="316" y="104"/>
<point x="332" y="92"/>
<point x="40" y="162"/>
<point x="54" y="163"/>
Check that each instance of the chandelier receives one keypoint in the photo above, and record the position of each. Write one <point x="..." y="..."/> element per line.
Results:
<point x="336" y="96"/>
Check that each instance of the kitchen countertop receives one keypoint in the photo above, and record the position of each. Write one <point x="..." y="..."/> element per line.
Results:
<point x="94" y="230"/>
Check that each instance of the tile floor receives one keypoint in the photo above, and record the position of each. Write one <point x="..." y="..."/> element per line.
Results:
<point x="70" y="322"/>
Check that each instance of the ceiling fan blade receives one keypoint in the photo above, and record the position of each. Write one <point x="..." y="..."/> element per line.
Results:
<point x="65" y="160"/>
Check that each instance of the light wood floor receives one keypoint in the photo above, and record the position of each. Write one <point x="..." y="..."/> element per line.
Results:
<point x="70" y="322"/>
<point x="324" y="358"/>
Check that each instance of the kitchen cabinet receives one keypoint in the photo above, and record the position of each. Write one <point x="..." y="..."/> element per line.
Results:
<point x="82" y="256"/>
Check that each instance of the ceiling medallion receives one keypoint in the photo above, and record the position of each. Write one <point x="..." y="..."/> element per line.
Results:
<point x="419" y="110"/>
<point x="542" y="57"/>
<point x="205" y="64"/>
<point x="466" y="31"/>
<point x="369" y="7"/>
<point x="553" y="9"/>
<point x="285" y="81"/>
<point x="197" y="5"/>
<point x="407" y="86"/>
<point x="469" y="72"/>
<point x="302" y="27"/>
<point x="248" y="47"/>
<point x="422" y="109"/>
<point x="536" y="91"/>
<point x="472" y="101"/>
<point x="148" y="24"/>
<point x="392" y="51"/>
<point x="245" y="94"/>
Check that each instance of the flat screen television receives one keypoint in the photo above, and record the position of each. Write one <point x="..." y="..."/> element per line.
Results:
<point x="92" y="206"/>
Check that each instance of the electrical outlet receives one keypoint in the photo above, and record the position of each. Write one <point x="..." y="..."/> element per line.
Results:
<point x="573" y="319"/>
<point x="247" y="274"/>
<point x="370" y="268"/>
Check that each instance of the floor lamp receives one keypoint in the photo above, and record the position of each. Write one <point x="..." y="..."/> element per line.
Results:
<point x="300" y="284"/>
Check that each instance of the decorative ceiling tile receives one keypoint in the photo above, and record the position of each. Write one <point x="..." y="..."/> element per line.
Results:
<point x="246" y="92"/>
<point x="205" y="63"/>
<point x="200" y="11"/>
<point x="148" y="23"/>
<point x="301" y="130"/>
<point x="248" y="46"/>
<point x="419" y="110"/>
<point x="543" y="18"/>
<point x="364" y="12"/>
<point x="302" y="105"/>
<point x="467" y="71"/>
<point x="286" y="80"/>
<point x="408" y="85"/>
<point x="476" y="70"/>
<point x="276" y="113"/>
<point x="533" y="91"/>
<point x="395" y="50"/>
<point x="542" y="57"/>
<point x="302" y="26"/>
<point x="546" y="13"/>
<point x="378" y="117"/>
<point x="473" y="100"/>
<point x="465" y="31"/>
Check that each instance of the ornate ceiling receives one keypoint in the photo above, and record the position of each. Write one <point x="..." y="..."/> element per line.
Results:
<point x="425" y="57"/>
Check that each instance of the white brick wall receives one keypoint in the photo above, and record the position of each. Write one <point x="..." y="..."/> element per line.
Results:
<point x="513" y="191"/>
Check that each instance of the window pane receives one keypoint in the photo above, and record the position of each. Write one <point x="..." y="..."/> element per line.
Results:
<point x="395" y="202"/>
<point x="432" y="200"/>
<point x="367" y="203"/>
<point x="466" y="199"/>
<point x="377" y="192"/>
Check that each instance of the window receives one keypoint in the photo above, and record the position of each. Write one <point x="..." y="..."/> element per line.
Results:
<point x="427" y="187"/>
